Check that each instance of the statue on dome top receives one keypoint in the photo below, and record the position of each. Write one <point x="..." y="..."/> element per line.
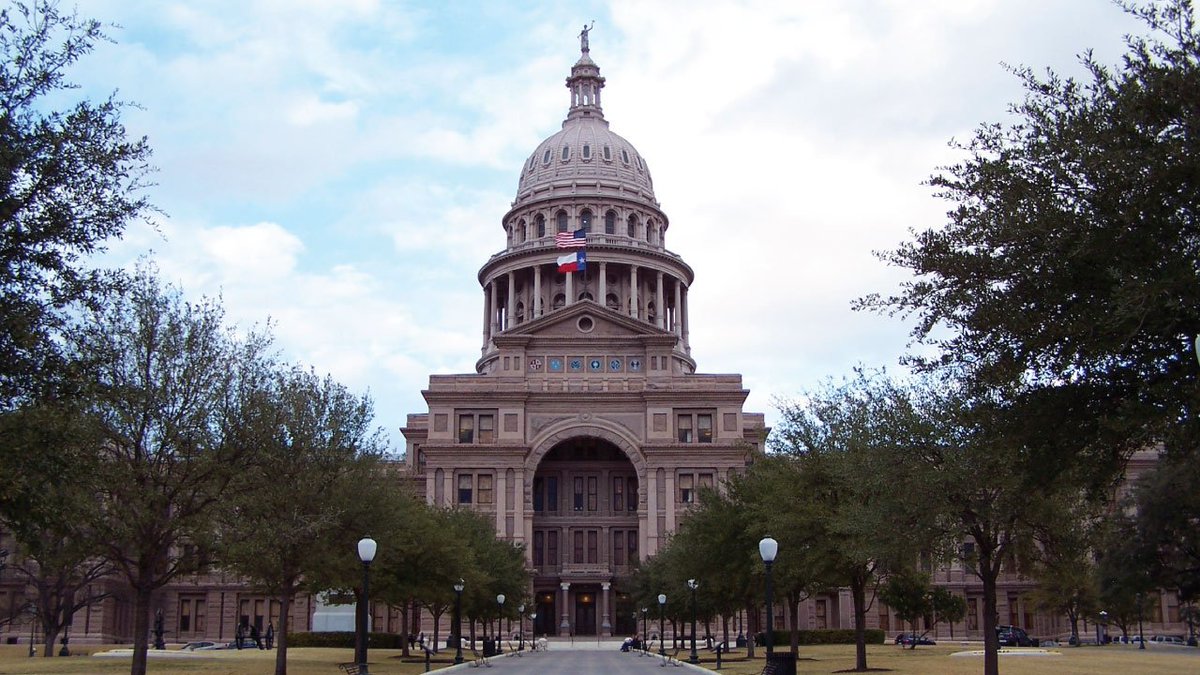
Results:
<point x="583" y="38"/>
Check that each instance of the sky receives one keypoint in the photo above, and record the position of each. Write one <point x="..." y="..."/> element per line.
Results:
<point x="340" y="168"/>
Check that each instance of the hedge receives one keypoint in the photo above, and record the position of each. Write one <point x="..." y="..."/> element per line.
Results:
<point x="345" y="639"/>
<point x="838" y="636"/>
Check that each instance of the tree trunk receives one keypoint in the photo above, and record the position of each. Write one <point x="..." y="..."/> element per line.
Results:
<point x="404" y="643"/>
<point x="141" y="630"/>
<point x="752" y="627"/>
<point x="858" y="593"/>
<point x="281" y="633"/>
<point x="988" y="572"/>
<point x="794" y="622"/>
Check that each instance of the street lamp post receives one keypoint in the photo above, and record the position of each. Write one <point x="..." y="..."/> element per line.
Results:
<point x="458" y="589"/>
<point x="499" y="621"/>
<point x="521" y="628"/>
<point x="662" y="633"/>
<point x="1103" y="627"/>
<point x="645" y="634"/>
<point x="533" y="628"/>
<point x="767" y="549"/>
<point x="693" y="584"/>
<point x="1141" y="636"/>
<point x="366" y="553"/>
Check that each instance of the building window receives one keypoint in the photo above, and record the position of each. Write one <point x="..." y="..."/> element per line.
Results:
<point x="485" y="488"/>
<point x="192" y="614"/>
<point x="607" y="154"/>
<point x="539" y="543"/>
<point x="632" y="539"/>
<point x="465" y="482"/>
<point x="593" y="493"/>
<point x="578" y="501"/>
<point x="566" y="153"/>
<point x="585" y="220"/>
<point x="610" y="222"/>
<point x="687" y="488"/>
<point x="476" y="427"/>
<point x="694" y="427"/>
<point x="545" y="494"/>
<point x="552" y="547"/>
<point x="587" y="151"/>
<point x="578" y="535"/>
<point x="624" y="156"/>
<point x="546" y="156"/>
<point x="706" y="480"/>
<point x="631" y="494"/>
<point x="972" y="614"/>
<point x="522" y="233"/>
<point x="561" y="221"/>
<point x="619" y="547"/>
<point x="618" y="496"/>
<point x="632" y="227"/>
<point x="540" y="222"/>
<point x="593" y="544"/>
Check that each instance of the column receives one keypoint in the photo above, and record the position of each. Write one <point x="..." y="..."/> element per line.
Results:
<point x="633" y="292"/>
<point x="511" y="308"/>
<point x="671" y="497"/>
<point x="564" y="627"/>
<point x="677" y="327"/>
<point x="661" y="320"/>
<point x="605" y="626"/>
<point x="602" y="298"/>
<point x="493" y="308"/>
<point x="687" y="347"/>
<point x="499" y="496"/>
<point x="570" y="289"/>
<point x="650" y="532"/>
<point x="487" y="318"/>
<point x="537" y="292"/>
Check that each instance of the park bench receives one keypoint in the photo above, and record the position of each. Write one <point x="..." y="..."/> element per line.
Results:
<point x="349" y="668"/>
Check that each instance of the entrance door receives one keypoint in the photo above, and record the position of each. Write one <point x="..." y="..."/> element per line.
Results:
<point x="585" y="614"/>
<point x="546" y="622"/>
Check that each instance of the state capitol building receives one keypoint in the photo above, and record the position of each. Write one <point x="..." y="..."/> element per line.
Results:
<point x="586" y="430"/>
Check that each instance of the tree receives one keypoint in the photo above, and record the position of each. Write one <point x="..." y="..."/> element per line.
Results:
<point x="168" y="390"/>
<point x="1166" y="507"/>
<point x="315" y="476"/>
<point x="911" y="596"/>
<point x="1064" y="561"/>
<point x="70" y="180"/>
<point x="1068" y="258"/>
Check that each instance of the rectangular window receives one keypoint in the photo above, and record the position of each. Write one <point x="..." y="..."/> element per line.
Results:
<point x="539" y="542"/>
<point x="579" y="546"/>
<point x="885" y="618"/>
<point x="464" y="488"/>
<point x="539" y="502"/>
<point x="485" y="488"/>
<point x="552" y="547"/>
<point x="477" y="426"/>
<point x="618" y="496"/>
<point x="487" y="428"/>
<point x="185" y="615"/>
<point x="822" y="619"/>
<point x="618" y="547"/>
<point x="631" y="496"/>
<point x="632" y="547"/>
<point x="972" y="614"/>
<point x="687" y="489"/>
<point x="706" y="480"/>
<point x="683" y="424"/>
<point x="593" y="544"/>
<point x="552" y="493"/>
<point x="704" y="429"/>
<point x="593" y="493"/>
<point x="578" y="501"/>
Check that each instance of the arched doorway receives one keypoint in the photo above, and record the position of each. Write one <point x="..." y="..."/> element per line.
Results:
<point x="585" y="500"/>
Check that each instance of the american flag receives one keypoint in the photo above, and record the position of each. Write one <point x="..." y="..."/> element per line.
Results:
<point x="575" y="239"/>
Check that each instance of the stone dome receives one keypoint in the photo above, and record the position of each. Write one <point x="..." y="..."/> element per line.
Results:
<point x="585" y="153"/>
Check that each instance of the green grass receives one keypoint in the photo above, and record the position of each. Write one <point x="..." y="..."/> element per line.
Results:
<point x="1110" y="660"/>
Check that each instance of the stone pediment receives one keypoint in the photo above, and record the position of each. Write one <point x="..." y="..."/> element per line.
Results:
<point x="584" y="320"/>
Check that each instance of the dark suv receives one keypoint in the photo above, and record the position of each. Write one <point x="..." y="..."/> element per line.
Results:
<point x="1011" y="636"/>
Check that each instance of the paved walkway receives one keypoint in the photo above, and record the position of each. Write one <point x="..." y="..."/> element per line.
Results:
<point x="583" y="658"/>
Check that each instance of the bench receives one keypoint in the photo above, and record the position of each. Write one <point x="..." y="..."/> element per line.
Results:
<point x="350" y="668"/>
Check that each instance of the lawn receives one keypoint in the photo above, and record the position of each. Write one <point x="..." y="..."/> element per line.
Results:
<point x="1113" y="660"/>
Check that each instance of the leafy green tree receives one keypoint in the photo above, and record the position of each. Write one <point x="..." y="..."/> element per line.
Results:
<point x="300" y="499"/>
<point x="1064" y="562"/>
<point x="1166" y="506"/>
<point x="70" y="180"/>
<point x="169" y="393"/>
<point x="1068" y="260"/>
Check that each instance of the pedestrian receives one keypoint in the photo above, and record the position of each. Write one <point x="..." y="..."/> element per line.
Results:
<point x="255" y="635"/>
<point x="270" y="635"/>
<point x="239" y="635"/>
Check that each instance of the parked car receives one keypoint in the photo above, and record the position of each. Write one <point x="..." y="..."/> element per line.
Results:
<point x="1168" y="639"/>
<point x="199" y="644"/>
<point x="1012" y="636"/>
<point x="909" y="638"/>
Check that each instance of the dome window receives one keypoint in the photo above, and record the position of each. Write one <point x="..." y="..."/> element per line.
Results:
<point x="566" y="153"/>
<point x="624" y="155"/>
<point x="562" y="221"/>
<point x="541" y="225"/>
<point x="585" y="220"/>
<point x="610" y="222"/>
<point x="587" y="152"/>
<point x="633" y="223"/>
<point x="607" y="154"/>
<point x="546" y="157"/>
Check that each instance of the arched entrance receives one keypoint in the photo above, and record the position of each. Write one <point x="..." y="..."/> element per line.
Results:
<point x="585" y="501"/>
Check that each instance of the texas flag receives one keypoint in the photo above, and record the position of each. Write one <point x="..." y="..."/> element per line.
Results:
<point x="575" y="262"/>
